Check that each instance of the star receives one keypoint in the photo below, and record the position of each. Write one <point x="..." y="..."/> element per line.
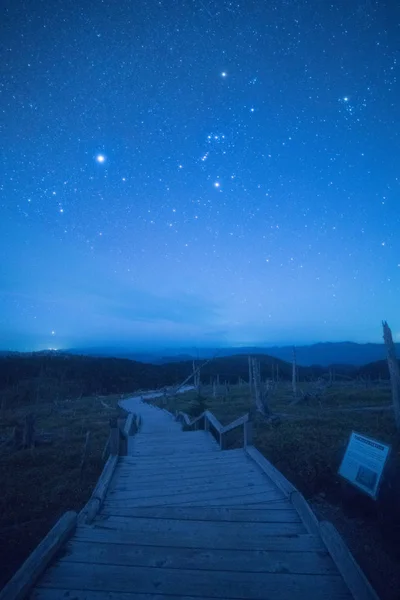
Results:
<point x="224" y="74"/>
<point x="100" y="158"/>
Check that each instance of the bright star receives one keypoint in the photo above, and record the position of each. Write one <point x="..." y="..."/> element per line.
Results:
<point x="346" y="99"/>
<point x="223" y="74"/>
<point x="217" y="184"/>
<point x="100" y="158"/>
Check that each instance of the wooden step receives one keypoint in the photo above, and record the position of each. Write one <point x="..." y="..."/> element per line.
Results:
<point x="160" y="473"/>
<point x="205" y="538"/>
<point x="203" y="457"/>
<point x="282" y="513"/>
<point x="255" y="561"/>
<point x="197" y="583"/>
<point x="132" y="489"/>
<point x="158" y="497"/>
<point x="214" y="529"/>
<point x="178" y="483"/>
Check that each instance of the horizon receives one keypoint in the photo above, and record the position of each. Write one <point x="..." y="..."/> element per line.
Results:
<point x="181" y="349"/>
<point x="158" y="189"/>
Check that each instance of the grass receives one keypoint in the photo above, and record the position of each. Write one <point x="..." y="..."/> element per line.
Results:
<point x="39" y="485"/>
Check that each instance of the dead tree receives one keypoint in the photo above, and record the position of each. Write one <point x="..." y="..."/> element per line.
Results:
<point x="176" y="390"/>
<point x="294" y="373"/>
<point x="259" y="392"/>
<point x="394" y="371"/>
<point x="196" y="378"/>
<point x="250" y="375"/>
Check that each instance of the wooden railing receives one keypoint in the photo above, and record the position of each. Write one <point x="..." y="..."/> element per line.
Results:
<point x="207" y="418"/>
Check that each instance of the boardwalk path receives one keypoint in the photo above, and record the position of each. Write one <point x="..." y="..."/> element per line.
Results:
<point x="183" y="519"/>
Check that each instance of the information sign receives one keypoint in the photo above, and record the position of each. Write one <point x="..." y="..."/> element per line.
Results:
<point x="363" y="463"/>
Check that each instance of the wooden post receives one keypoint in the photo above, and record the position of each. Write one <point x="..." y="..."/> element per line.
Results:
<point x="247" y="434"/>
<point x="394" y="371"/>
<point x="206" y="424"/>
<point x="220" y="441"/>
<point x="106" y="449"/>
<point x="114" y="438"/>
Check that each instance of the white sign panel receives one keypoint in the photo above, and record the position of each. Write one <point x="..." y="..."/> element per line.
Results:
<point x="363" y="463"/>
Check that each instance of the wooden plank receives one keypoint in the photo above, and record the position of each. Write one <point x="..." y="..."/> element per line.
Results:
<point x="248" y="434"/>
<point x="131" y="490"/>
<point x="227" y="455"/>
<point x="242" y="586"/>
<point x="123" y="474"/>
<point x="233" y="500"/>
<point x="187" y="465"/>
<point x="254" y="561"/>
<point x="90" y="509"/>
<point x="25" y="578"/>
<point x="147" y="488"/>
<point x="286" y="543"/>
<point x="271" y="505"/>
<point x="213" y="420"/>
<point x="235" y="423"/>
<point x="169" y="451"/>
<point x="59" y="594"/>
<point x="159" y="499"/>
<point x="307" y="516"/>
<point x="272" y="514"/>
<point x="129" y="424"/>
<point x="174" y="527"/>
<point x="114" y="441"/>
<point x="273" y="473"/>
<point x="155" y="441"/>
<point x="347" y="566"/>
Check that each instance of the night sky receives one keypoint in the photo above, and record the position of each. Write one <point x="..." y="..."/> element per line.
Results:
<point x="198" y="172"/>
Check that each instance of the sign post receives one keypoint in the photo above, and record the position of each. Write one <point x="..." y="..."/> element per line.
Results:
<point x="363" y="463"/>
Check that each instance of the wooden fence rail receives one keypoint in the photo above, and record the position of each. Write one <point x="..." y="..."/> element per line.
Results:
<point x="209" y="419"/>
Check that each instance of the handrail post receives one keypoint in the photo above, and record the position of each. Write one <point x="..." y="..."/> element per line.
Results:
<point x="221" y="446"/>
<point x="247" y="434"/>
<point x="114" y="437"/>
<point x="206" y="423"/>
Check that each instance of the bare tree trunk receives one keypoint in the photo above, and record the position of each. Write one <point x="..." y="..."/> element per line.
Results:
<point x="250" y="375"/>
<point x="394" y="371"/>
<point x="294" y="373"/>
<point x="260" y="395"/>
<point x="196" y="378"/>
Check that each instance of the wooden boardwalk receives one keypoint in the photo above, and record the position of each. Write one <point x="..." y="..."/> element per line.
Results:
<point x="184" y="519"/>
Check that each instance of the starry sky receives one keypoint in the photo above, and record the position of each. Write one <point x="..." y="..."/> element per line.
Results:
<point x="207" y="172"/>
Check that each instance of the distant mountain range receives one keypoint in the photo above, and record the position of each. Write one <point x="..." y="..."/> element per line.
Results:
<point x="323" y="354"/>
